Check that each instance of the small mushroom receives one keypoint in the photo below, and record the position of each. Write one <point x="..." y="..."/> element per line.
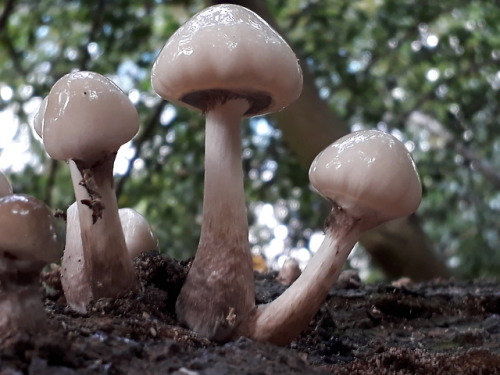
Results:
<point x="289" y="272"/>
<point x="138" y="238"/>
<point x="86" y="118"/>
<point x="370" y="178"/>
<point x="28" y="241"/>
<point x="228" y="63"/>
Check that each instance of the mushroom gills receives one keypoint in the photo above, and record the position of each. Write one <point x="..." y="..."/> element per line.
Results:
<point x="205" y="100"/>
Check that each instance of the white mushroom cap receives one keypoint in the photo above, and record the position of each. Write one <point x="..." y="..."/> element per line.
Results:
<point x="228" y="48"/>
<point x="138" y="234"/>
<point x="87" y="116"/>
<point x="28" y="229"/>
<point x="371" y="170"/>
<point x="5" y="186"/>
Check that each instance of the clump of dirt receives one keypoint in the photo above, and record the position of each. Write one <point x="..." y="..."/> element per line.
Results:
<point x="443" y="327"/>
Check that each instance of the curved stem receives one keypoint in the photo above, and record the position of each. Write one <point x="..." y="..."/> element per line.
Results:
<point x="107" y="265"/>
<point x="282" y="320"/>
<point x="219" y="292"/>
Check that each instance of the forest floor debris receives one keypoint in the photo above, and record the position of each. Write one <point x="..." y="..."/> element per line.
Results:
<point x="439" y="327"/>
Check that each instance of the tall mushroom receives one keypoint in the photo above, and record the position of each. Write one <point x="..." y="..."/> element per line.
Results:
<point x="86" y="118"/>
<point x="370" y="178"/>
<point x="28" y="241"/>
<point x="228" y="63"/>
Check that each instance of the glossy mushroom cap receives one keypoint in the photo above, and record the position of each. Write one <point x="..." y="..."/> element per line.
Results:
<point x="368" y="170"/>
<point x="227" y="51"/>
<point x="86" y="117"/>
<point x="138" y="234"/>
<point x="28" y="229"/>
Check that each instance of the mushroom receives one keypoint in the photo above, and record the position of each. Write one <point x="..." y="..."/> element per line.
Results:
<point x="228" y="63"/>
<point x="28" y="241"/>
<point x="85" y="120"/>
<point x="370" y="178"/>
<point x="289" y="272"/>
<point x="138" y="238"/>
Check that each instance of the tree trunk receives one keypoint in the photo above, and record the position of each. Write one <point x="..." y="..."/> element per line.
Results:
<point x="400" y="247"/>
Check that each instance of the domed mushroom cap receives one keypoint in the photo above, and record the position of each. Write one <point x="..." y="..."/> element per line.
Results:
<point x="369" y="169"/>
<point x="138" y="234"/>
<point x="86" y="117"/>
<point x="28" y="229"/>
<point x="228" y="48"/>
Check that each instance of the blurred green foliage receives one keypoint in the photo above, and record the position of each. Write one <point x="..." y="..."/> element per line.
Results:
<point x="427" y="71"/>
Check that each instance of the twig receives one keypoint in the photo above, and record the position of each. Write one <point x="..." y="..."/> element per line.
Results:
<point x="7" y="11"/>
<point x="96" y="25"/>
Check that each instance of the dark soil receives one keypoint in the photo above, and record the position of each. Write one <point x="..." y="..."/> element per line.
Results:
<point x="443" y="327"/>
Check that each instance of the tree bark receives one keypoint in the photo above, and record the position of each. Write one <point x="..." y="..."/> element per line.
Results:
<point x="400" y="248"/>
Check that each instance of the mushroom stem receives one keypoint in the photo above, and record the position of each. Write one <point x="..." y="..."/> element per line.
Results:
<point x="218" y="292"/>
<point x="21" y="310"/>
<point x="107" y="264"/>
<point x="282" y="320"/>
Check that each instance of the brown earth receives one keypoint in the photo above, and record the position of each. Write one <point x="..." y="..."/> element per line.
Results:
<point x="440" y="327"/>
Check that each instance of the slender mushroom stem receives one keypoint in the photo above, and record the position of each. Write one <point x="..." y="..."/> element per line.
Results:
<point x="108" y="271"/>
<point x="223" y="263"/>
<point x="224" y="172"/>
<point x="281" y="320"/>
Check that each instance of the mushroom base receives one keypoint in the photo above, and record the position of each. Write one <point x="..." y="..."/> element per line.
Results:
<point x="282" y="320"/>
<point x="21" y="310"/>
<point x="216" y="296"/>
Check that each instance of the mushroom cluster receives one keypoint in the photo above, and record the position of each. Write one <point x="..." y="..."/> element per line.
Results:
<point x="229" y="64"/>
